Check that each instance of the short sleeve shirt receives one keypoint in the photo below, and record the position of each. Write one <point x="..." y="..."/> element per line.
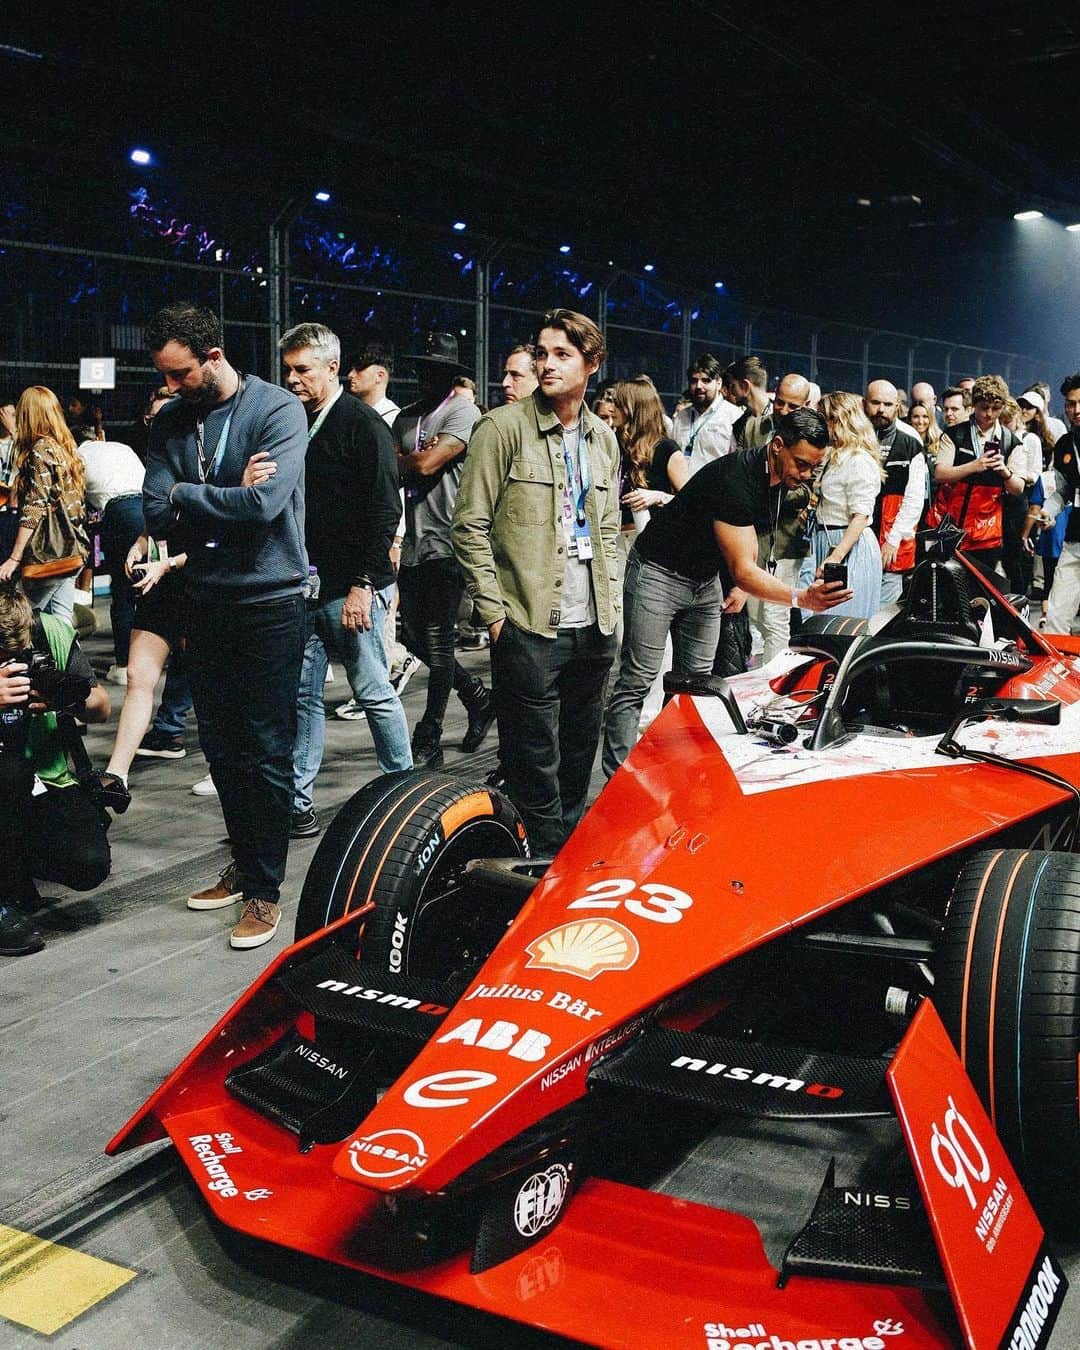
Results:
<point x="430" y="510"/>
<point x="656" y="475"/>
<point x="734" y="490"/>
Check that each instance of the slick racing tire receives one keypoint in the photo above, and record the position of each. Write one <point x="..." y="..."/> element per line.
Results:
<point x="842" y="624"/>
<point x="402" y="842"/>
<point x="1007" y="986"/>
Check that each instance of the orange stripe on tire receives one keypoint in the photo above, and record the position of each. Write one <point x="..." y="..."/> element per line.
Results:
<point x="422" y="802"/>
<point x="367" y="849"/>
<point x="970" y="951"/>
<point x="468" y="808"/>
<point x="993" y="984"/>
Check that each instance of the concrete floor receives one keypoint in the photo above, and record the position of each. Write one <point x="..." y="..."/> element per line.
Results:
<point x="129" y="981"/>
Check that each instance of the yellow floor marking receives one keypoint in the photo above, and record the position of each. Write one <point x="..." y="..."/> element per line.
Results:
<point x="44" y="1286"/>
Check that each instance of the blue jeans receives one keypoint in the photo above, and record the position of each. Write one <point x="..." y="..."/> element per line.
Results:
<point x="54" y="595"/>
<point x="171" y="717"/>
<point x="367" y="670"/>
<point x="656" y="602"/>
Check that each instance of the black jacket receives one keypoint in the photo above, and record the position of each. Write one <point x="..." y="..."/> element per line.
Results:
<point x="353" y="505"/>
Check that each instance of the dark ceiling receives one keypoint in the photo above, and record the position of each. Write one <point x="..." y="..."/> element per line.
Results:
<point x="858" y="160"/>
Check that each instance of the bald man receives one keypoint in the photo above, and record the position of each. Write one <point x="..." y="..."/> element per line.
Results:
<point x="923" y="392"/>
<point x="903" y="496"/>
<point x="772" y="621"/>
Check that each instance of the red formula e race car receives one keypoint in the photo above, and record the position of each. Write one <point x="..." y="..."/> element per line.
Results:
<point x="833" y="899"/>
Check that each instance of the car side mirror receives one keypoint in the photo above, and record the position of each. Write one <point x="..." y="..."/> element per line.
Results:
<point x="1039" y="711"/>
<point x="706" y="686"/>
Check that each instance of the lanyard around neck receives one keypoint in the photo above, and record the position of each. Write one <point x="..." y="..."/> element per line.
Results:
<point x="774" y="524"/>
<point x="206" y="471"/>
<point x="688" y="449"/>
<point x="313" y="430"/>
<point x="584" y="475"/>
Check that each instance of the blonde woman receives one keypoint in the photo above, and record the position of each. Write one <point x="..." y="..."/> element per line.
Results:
<point x="45" y="466"/>
<point x="847" y="491"/>
<point x="922" y="421"/>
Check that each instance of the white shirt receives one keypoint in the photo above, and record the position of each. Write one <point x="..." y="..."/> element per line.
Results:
<point x="848" y="487"/>
<point x="387" y="410"/>
<point x="711" y="431"/>
<point x="112" y="470"/>
<point x="1026" y="458"/>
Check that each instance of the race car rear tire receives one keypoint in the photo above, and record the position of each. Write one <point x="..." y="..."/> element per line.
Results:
<point x="1007" y="986"/>
<point x="402" y="842"/>
<point x="842" y="624"/>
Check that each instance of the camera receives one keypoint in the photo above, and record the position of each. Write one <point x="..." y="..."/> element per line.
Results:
<point x="58" y="691"/>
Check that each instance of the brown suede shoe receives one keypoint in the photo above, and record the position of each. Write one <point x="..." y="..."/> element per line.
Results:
<point x="257" y="925"/>
<point x="225" y="891"/>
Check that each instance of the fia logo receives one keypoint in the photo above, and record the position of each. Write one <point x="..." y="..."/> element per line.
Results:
<point x="540" y="1199"/>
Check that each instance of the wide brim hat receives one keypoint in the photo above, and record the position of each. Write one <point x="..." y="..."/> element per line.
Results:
<point x="439" y="349"/>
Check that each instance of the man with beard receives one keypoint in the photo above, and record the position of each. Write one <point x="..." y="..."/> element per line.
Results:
<point x="902" y="497"/>
<point x="225" y="484"/>
<point x="703" y="430"/>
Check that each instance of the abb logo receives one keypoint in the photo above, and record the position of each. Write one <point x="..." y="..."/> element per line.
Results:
<point x="508" y="1036"/>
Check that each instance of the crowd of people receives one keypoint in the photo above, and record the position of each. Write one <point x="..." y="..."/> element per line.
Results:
<point x="269" y="529"/>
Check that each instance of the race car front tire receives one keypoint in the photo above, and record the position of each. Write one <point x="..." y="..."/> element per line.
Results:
<point x="1007" y="986"/>
<point x="402" y="842"/>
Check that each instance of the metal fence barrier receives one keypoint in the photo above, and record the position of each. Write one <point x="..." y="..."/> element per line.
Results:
<point x="59" y="303"/>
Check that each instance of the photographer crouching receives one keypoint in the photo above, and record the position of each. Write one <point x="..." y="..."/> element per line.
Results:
<point x="53" y="822"/>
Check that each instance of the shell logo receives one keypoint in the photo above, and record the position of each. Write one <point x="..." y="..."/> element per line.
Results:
<point x="586" y="948"/>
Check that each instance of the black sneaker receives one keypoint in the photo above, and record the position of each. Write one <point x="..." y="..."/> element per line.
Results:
<point x="161" y="745"/>
<point x="304" y="824"/>
<point x="112" y="791"/>
<point x="426" y="747"/>
<point x="18" y="936"/>
<point x="480" y="721"/>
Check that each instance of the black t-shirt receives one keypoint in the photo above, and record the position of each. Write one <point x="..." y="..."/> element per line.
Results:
<point x="656" y="474"/>
<point x="1065" y="452"/>
<point x="735" y="490"/>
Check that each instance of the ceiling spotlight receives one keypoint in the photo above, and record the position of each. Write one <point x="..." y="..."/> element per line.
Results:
<point x="862" y="201"/>
<point x="650" y="267"/>
<point x="322" y="196"/>
<point x="1073" y="229"/>
<point x="718" y="285"/>
<point x="139" y="156"/>
<point x="459" y="225"/>
<point x="564" y="248"/>
<point x="1027" y="215"/>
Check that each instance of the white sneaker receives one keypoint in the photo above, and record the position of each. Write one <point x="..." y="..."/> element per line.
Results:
<point x="409" y="667"/>
<point x="204" y="787"/>
<point x="350" y="712"/>
<point x="116" y="675"/>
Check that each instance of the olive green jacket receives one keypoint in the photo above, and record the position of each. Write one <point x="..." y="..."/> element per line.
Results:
<point x="507" y="532"/>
